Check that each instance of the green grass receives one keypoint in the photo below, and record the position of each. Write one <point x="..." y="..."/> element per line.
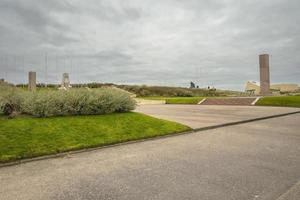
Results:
<point x="288" y="101"/>
<point x="177" y="100"/>
<point x="27" y="137"/>
<point x="184" y="100"/>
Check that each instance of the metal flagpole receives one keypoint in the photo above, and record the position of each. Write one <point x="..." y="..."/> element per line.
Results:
<point x="46" y="69"/>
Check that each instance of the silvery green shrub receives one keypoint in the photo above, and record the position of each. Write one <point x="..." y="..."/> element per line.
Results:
<point x="72" y="102"/>
<point x="10" y="99"/>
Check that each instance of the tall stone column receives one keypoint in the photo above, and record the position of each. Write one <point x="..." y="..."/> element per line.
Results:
<point x="264" y="74"/>
<point x="32" y="81"/>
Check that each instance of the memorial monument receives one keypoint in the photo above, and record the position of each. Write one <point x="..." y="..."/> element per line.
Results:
<point x="264" y="74"/>
<point x="65" y="84"/>
<point x="32" y="81"/>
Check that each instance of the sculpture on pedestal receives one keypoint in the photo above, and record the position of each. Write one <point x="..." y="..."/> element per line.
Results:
<point x="65" y="84"/>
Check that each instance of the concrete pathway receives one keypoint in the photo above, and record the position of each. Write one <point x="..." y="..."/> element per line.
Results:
<point x="258" y="160"/>
<point x="198" y="116"/>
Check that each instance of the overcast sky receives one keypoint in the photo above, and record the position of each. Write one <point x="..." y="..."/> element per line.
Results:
<point x="155" y="42"/>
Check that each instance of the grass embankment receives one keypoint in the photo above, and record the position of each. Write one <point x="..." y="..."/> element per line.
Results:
<point x="27" y="137"/>
<point x="288" y="101"/>
<point x="177" y="100"/>
<point x="184" y="100"/>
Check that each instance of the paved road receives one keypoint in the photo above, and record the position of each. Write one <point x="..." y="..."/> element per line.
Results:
<point x="197" y="116"/>
<point x="258" y="160"/>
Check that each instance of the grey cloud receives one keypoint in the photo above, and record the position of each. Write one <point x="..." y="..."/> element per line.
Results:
<point x="33" y="14"/>
<point x="168" y="42"/>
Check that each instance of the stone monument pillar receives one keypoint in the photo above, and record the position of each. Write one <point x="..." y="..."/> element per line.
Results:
<point x="264" y="74"/>
<point x="65" y="84"/>
<point x="32" y="81"/>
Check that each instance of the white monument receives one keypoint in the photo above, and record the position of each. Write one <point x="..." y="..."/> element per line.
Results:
<point x="65" y="84"/>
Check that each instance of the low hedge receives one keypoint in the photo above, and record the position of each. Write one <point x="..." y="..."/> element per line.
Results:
<point x="59" y="102"/>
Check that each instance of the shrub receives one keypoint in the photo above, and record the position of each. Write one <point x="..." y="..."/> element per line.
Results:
<point x="183" y="93"/>
<point x="10" y="99"/>
<point x="71" y="102"/>
<point x="143" y="91"/>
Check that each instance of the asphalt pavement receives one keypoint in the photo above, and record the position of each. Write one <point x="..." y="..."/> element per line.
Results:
<point x="257" y="160"/>
<point x="199" y="116"/>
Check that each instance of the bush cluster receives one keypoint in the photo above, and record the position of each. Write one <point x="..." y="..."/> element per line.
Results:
<point x="58" y="102"/>
<point x="144" y="91"/>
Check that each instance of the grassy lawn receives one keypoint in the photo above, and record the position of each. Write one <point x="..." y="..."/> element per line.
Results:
<point x="177" y="100"/>
<point x="26" y="137"/>
<point x="184" y="100"/>
<point x="290" y="101"/>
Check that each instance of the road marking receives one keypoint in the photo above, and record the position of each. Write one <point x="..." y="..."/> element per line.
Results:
<point x="254" y="102"/>
<point x="202" y="101"/>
